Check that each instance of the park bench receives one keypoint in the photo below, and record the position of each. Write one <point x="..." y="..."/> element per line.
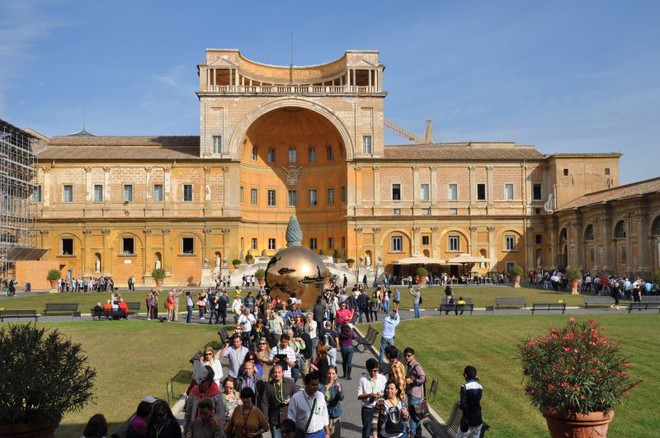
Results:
<point x="18" y="313"/>
<point x="66" y="308"/>
<point x="549" y="306"/>
<point x="517" y="302"/>
<point x="645" y="305"/>
<point x="224" y="336"/>
<point x="450" y="427"/>
<point x="591" y="300"/>
<point x="651" y="298"/>
<point x="108" y="314"/>
<point x="366" y="341"/>
<point x="133" y="307"/>
<point x="455" y="307"/>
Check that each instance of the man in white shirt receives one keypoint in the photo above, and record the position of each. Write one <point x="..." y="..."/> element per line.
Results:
<point x="236" y="354"/>
<point x="284" y="355"/>
<point x="246" y="320"/>
<point x="370" y="388"/>
<point x="309" y="410"/>
<point x="387" y="337"/>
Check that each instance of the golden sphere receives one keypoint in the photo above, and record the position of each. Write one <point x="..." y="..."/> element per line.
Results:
<point x="296" y="269"/>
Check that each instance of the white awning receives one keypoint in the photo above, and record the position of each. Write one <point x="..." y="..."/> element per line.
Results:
<point x="467" y="259"/>
<point x="419" y="260"/>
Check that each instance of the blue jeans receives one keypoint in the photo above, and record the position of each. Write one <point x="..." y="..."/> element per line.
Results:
<point x="189" y="309"/>
<point x="414" y="424"/>
<point x="384" y="343"/>
<point x="275" y="432"/>
<point x="416" y="306"/>
<point x="347" y="360"/>
<point x="367" y="415"/>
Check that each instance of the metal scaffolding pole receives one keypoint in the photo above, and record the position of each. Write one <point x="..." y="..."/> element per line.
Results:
<point x="17" y="211"/>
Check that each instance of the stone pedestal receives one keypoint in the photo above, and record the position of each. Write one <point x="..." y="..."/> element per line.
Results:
<point x="208" y="278"/>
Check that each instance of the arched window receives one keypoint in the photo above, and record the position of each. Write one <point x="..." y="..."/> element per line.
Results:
<point x="655" y="229"/>
<point x="563" y="235"/>
<point x="589" y="232"/>
<point x="619" y="232"/>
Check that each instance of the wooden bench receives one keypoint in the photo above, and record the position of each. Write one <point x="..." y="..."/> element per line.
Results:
<point x="367" y="341"/>
<point x="644" y="305"/>
<point x="516" y="302"/>
<point x="19" y="313"/>
<point x="591" y="300"/>
<point x="549" y="306"/>
<point x="133" y="307"/>
<point x="108" y="314"/>
<point x="66" y="308"/>
<point x="455" y="307"/>
<point x="451" y="426"/>
<point x="651" y="298"/>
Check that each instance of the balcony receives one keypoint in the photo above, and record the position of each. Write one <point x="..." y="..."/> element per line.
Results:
<point x="280" y="90"/>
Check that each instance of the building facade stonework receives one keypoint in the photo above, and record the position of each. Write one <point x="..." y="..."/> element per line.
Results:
<point x="277" y="141"/>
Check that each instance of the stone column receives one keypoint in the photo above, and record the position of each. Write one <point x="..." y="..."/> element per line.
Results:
<point x="643" y="265"/>
<point x="358" y="189"/>
<point x="607" y="263"/>
<point x="207" y="190"/>
<point x="415" y="243"/>
<point x="107" y="195"/>
<point x="376" y="186"/>
<point x="166" y="263"/>
<point x="434" y="249"/>
<point x="491" y="247"/>
<point x="415" y="189"/>
<point x="88" y="186"/>
<point x="45" y="196"/>
<point x="473" y="241"/>
<point x="377" y="246"/>
<point x="628" y="217"/>
<point x="106" y="263"/>
<point x="86" y="234"/>
<point x="145" y="254"/>
<point x="148" y="190"/>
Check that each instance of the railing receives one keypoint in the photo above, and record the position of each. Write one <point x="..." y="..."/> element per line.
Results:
<point x="291" y="89"/>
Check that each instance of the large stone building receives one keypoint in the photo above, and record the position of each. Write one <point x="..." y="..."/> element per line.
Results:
<point x="276" y="141"/>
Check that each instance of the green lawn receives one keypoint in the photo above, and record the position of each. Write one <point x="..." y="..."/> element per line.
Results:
<point x="446" y="345"/>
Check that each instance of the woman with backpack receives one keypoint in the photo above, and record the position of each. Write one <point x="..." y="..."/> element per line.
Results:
<point x="390" y="414"/>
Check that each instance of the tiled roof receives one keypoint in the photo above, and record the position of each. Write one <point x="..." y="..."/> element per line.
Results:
<point x="124" y="148"/>
<point x="646" y="187"/>
<point x="462" y="151"/>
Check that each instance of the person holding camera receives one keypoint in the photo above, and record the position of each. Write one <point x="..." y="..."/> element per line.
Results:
<point x="236" y="354"/>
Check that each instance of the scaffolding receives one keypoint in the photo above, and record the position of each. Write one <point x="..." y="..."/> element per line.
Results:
<point x="17" y="211"/>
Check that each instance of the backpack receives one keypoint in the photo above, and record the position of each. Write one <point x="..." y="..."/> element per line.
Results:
<point x="393" y="423"/>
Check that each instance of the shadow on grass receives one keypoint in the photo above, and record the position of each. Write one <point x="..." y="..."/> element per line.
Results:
<point x="74" y="430"/>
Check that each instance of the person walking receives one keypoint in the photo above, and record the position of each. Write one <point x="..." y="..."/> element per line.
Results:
<point x="347" y="349"/>
<point x="247" y="421"/>
<point x="470" y="404"/>
<point x="370" y="388"/>
<point x="208" y="424"/>
<point x="389" y="330"/>
<point x="333" y="396"/>
<point x="189" y="307"/>
<point x="390" y="414"/>
<point x="275" y="401"/>
<point x="309" y="410"/>
<point x="415" y="380"/>
<point x="417" y="296"/>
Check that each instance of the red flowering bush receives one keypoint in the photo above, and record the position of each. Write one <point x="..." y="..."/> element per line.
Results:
<point x="575" y="369"/>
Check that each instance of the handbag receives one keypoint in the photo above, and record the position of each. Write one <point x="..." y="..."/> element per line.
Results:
<point x="421" y="409"/>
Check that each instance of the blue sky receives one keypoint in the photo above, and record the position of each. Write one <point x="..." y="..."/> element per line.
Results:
<point x="564" y="76"/>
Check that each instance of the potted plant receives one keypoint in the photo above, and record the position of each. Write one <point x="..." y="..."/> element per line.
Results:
<point x="517" y="272"/>
<point x="350" y="263"/>
<point x="236" y="263"/>
<point x="422" y="273"/>
<point x="261" y="276"/>
<point x="575" y="376"/>
<point x="574" y="276"/>
<point x="249" y="259"/>
<point x="158" y="274"/>
<point x="53" y="276"/>
<point x="48" y="375"/>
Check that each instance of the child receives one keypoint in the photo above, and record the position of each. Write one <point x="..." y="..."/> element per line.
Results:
<point x="470" y="404"/>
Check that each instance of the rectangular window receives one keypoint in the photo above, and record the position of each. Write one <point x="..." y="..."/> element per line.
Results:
<point x="187" y="245"/>
<point x="272" y="199"/>
<point x="293" y="155"/>
<point x="331" y="196"/>
<point x="565" y="172"/>
<point x="187" y="192"/>
<point x="481" y="192"/>
<point x="253" y="243"/>
<point x="292" y="200"/>
<point x="424" y="192"/>
<point x="242" y="194"/>
<point x="607" y="171"/>
<point x="217" y="144"/>
<point x="313" y="200"/>
<point x="510" y="243"/>
<point x="396" y="192"/>
<point x="311" y="154"/>
<point x="271" y="155"/>
<point x="426" y="240"/>
<point x="425" y="212"/>
<point x="255" y="153"/>
<point x="453" y="212"/>
<point x="508" y="192"/>
<point x="254" y="197"/>
<point x="343" y="194"/>
<point x="128" y="193"/>
<point x="329" y="152"/>
<point x="271" y="243"/>
<point x="454" y="242"/>
<point x="396" y="211"/>
<point x="127" y="246"/>
<point x="67" y="247"/>
<point x="397" y="244"/>
<point x="67" y="193"/>
<point x="366" y="145"/>
<point x="343" y="242"/>
<point x="98" y="193"/>
<point x="453" y="192"/>
<point x="537" y="194"/>
<point x="158" y="192"/>
<point x="36" y="195"/>
<point x="539" y="238"/>
<point x="312" y="243"/>
<point x="509" y="266"/>
<point x="331" y="242"/>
